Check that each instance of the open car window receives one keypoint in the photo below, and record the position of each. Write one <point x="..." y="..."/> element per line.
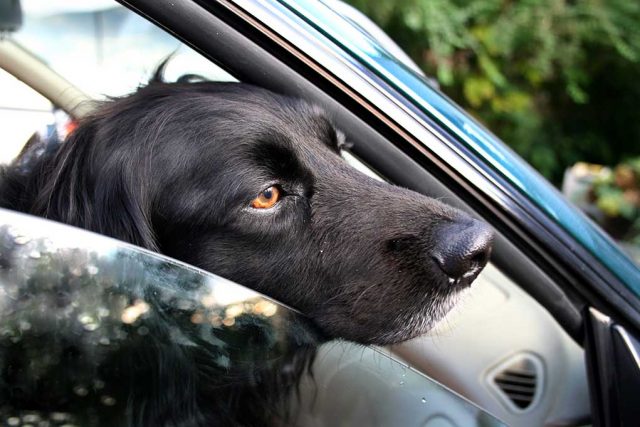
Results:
<point x="92" y="328"/>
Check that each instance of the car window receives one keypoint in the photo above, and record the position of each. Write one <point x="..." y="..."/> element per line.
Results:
<point x="93" y="329"/>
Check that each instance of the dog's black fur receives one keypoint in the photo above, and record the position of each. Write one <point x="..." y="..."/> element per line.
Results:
<point x="174" y="168"/>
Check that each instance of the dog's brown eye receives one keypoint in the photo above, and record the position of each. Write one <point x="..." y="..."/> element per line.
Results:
<point x="267" y="198"/>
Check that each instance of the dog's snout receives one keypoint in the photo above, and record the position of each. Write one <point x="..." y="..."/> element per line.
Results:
<point x="463" y="248"/>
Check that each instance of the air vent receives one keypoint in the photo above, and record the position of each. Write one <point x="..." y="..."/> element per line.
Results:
<point x="518" y="381"/>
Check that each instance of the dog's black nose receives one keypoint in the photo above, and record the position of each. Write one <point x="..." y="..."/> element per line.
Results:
<point x="463" y="248"/>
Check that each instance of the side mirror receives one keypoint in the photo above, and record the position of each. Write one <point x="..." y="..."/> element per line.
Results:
<point x="10" y="16"/>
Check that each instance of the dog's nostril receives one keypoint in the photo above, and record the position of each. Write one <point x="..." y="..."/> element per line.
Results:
<point x="462" y="249"/>
<point x="480" y="257"/>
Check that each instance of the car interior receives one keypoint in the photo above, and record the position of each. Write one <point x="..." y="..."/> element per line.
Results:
<point x="510" y="347"/>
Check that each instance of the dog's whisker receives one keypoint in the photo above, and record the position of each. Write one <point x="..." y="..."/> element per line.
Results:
<point x="355" y="303"/>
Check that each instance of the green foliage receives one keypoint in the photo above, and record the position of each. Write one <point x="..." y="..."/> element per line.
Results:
<point x="558" y="80"/>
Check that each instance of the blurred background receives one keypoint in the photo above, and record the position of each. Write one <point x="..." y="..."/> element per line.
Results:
<point x="557" y="80"/>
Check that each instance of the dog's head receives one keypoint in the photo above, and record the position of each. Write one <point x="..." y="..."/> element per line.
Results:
<point x="250" y="185"/>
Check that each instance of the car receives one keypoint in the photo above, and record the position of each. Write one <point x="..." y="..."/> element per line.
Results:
<point x="550" y="335"/>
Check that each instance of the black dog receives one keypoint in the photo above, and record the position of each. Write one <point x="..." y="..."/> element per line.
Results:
<point x="250" y="185"/>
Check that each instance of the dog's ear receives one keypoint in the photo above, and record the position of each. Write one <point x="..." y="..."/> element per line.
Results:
<point x="87" y="186"/>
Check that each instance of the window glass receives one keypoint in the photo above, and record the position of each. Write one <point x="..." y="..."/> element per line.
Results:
<point x="97" y="332"/>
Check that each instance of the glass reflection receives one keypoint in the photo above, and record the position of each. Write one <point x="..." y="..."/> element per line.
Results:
<point x="94" y="332"/>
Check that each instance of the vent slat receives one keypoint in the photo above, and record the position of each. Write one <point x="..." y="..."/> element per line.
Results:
<point x="517" y="389"/>
<point x="516" y="380"/>
<point x="523" y="374"/>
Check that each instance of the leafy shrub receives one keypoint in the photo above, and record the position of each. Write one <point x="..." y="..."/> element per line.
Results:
<point x="558" y="80"/>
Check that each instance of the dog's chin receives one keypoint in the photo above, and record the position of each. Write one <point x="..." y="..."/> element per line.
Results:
<point x="392" y="325"/>
<point x="420" y="323"/>
<point x="423" y="323"/>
